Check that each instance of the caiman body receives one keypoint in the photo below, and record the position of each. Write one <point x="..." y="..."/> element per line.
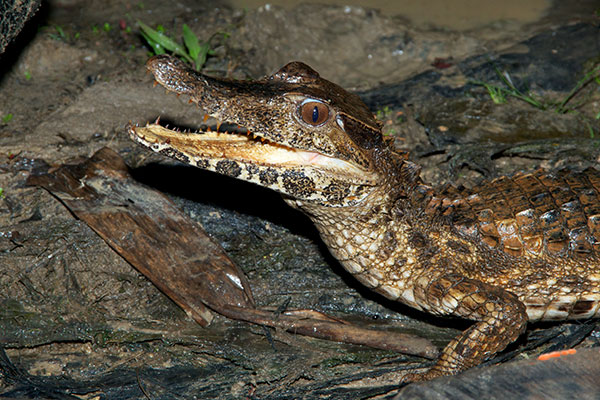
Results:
<point x="517" y="249"/>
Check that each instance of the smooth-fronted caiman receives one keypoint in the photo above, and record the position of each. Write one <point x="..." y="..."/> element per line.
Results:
<point x="516" y="249"/>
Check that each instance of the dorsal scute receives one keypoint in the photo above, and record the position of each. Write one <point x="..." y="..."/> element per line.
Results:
<point x="536" y="214"/>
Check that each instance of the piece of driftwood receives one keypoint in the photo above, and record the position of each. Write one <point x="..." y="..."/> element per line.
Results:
<point x="146" y="229"/>
<point x="324" y="327"/>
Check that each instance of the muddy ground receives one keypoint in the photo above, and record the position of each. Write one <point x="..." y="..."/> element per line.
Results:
<point x="77" y="321"/>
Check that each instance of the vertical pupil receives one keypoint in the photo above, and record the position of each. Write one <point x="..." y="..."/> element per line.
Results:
<point x="315" y="114"/>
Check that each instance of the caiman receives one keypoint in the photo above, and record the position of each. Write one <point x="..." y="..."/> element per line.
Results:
<point x="516" y="249"/>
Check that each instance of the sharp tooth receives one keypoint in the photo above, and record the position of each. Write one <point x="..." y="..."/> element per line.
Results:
<point x="154" y="83"/>
<point x="157" y="120"/>
<point x="206" y="117"/>
<point x="190" y="101"/>
<point x="218" y="126"/>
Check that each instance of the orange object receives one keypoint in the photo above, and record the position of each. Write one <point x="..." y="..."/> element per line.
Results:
<point x="554" y="354"/>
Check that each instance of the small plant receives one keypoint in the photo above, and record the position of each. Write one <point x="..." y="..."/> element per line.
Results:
<point x="27" y="75"/>
<point x="1" y="193"/>
<point x="193" y="51"/>
<point x="7" y="118"/>
<point x="388" y="117"/>
<point x="499" y="94"/>
<point x="59" y="34"/>
<point x="384" y="113"/>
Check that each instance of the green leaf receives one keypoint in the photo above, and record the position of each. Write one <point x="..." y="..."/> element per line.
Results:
<point x="156" y="48"/>
<point x="163" y="40"/>
<point x="202" y="55"/>
<point x="60" y="31"/>
<point x="191" y="42"/>
<point x="7" y="118"/>
<point x="496" y="93"/>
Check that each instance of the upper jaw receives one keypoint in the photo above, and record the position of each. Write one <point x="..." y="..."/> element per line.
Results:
<point x="231" y="101"/>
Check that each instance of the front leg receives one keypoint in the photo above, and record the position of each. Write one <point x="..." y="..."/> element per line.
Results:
<point x="500" y="317"/>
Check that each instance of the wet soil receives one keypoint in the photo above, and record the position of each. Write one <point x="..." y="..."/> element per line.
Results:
<point x="75" y="318"/>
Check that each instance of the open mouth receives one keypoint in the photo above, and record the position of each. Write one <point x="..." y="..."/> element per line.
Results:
<point x="230" y="142"/>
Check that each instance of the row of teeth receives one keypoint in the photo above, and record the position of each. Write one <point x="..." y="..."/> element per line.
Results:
<point x="219" y="128"/>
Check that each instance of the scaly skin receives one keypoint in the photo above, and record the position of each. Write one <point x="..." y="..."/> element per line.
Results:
<point x="522" y="248"/>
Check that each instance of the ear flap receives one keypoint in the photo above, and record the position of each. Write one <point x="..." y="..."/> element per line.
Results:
<point x="295" y="72"/>
<point x="360" y="133"/>
<point x="410" y="171"/>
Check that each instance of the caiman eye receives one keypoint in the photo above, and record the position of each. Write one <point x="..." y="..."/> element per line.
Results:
<point x="314" y="113"/>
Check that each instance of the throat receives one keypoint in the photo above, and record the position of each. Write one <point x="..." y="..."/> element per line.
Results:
<point x="367" y="239"/>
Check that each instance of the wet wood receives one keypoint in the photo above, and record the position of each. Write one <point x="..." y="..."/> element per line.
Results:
<point x="146" y="229"/>
<point x="325" y="327"/>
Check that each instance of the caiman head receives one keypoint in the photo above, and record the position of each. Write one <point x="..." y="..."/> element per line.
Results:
<point x="293" y="132"/>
